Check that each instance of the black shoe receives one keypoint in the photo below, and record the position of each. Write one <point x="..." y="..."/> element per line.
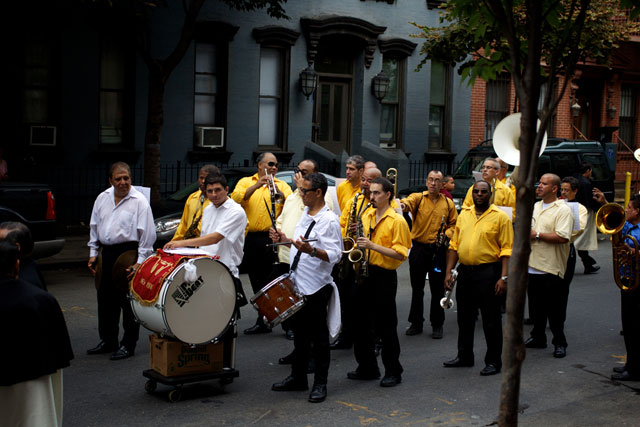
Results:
<point x="289" y="334"/>
<point x="414" y="329"/>
<point x="624" y="376"/>
<point x="528" y="321"/>
<point x="102" y="348"/>
<point x="122" y="353"/>
<point x="437" y="333"/>
<point x="318" y="393"/>
<point x="490" y="369"/>
<point x="290" y="384"/>
<point x="619" y="369"/>
<point x="534" y="343"/>
<point x="560" y="351"/>
<point x="458" y="363"/>
<point x="591" y="269"/>
<point x="286" y="360"/>
<point x="355" y="375"/>
<point x="257" y="329"/>
<point x="391" y="380"/>
<point x="341" y="344"/>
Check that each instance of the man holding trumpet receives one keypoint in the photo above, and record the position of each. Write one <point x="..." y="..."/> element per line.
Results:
<point x="482" y="241"/>
<point x="255" y="194"/>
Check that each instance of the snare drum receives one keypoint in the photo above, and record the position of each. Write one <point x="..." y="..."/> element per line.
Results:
<point x="195" y="313"/>
<point x="278" y="301"/>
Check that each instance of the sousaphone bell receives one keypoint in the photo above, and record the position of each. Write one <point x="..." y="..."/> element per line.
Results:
<point x="505" y="139"/>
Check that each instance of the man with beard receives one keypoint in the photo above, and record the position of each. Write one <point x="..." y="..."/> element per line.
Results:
<point x="482" y="242"/>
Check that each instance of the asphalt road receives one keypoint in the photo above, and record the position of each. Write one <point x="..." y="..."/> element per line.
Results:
<point x="575" y="391"/>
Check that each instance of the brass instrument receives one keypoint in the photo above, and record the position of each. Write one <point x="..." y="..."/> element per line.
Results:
<point x="192" y="231"/>
<point x="442" y="243"/>
<point x="610" y="219"/>
<point x="392" y="175"/>
<point x="276" y="198"/>
<point x="356" y="254"/>
<point x="349" y="241"/>
<point x="447" y="302"/>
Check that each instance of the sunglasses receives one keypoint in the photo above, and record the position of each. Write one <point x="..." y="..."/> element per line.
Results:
<point x="300" y="171"/>
<point x="479" y="191"/>
<point x="272" y="164"/>
<point x="306" y="190"/>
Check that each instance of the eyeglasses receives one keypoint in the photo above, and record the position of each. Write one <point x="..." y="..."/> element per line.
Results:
<point x="474" y="191"/>
<point x="300" y="171"/>
<point x="304" y="191"/>
<point x="272" y="164"/>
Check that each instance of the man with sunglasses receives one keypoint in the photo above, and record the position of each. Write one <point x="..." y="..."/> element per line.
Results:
<point x="348" y="188"/>
<point x="502" y="195"/>
<point x="386" y="244"/>
<point x="254" y="195"/>
<point x="311" y="265"/>
<point x="482" y="241"/>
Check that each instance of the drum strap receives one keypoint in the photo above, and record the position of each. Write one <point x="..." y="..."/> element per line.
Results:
<point x="299" y="254"/>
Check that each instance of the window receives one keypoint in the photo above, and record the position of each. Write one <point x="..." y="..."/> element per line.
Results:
<point x="271" y="82"/>
<point x="627" y="115"/>
<point x="112" y="91"/>
<point x="496" y="103"/>
<point x="390" y="114"/>
<point x="206" y="85"/>
<point x="439" y="92"/>
<point x="37" y="80"/>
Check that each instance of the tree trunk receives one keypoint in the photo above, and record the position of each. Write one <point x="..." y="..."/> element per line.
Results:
<point x="155" y="120"/>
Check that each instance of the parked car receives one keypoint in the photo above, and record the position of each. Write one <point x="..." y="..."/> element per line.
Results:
<point x="33" y="205"/>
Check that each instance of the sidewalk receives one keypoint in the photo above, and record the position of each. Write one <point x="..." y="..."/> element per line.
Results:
<point x="74" y="253"/>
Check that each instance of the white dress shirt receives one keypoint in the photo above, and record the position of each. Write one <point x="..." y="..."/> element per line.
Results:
<point x="230" y="221"/>
<point x="312" y="273"/>
<point x="130" y="220"/>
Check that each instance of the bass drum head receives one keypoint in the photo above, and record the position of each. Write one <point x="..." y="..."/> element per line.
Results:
<point x="201" y="311"/>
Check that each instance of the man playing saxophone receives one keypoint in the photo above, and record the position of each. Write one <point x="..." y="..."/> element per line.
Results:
<point x="191" y="221"/>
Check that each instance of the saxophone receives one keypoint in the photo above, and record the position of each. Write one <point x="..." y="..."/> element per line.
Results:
<point x="357" y="256"/>
<point x="192" y="231"/>
<point x="349" y="241"/>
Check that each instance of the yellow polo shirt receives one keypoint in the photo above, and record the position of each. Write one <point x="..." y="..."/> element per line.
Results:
<point x="482" y="240"/>
<point x="257" y="214"/>
<point x="346" y="213"/>
<point x="391" y="232"/>
<point x="503" y="196"/>
<point x="555" y="218"/>
<point x="191" y="207"/>
<point x="427" y="216"/>
<point x="345" y="192"/>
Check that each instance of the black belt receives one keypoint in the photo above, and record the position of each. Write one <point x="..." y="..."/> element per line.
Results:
<point x="120" y="247"/>
<point x="478" y="268"/>
<point x="425" y="245"/>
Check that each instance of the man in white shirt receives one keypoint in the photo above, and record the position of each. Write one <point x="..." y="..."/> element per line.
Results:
<point x="122" y="232"/>
<point x="311" y="265"/>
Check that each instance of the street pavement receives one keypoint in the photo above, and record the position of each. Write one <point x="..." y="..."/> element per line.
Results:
<point x="575" y="391"/>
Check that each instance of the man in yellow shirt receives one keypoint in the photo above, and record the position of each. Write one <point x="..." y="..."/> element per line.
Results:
<point x="482" y="241"/>
<point x="254" y="195"/>
<point x="502" y="195"/>
<point x="547" y="291"/>
<point x="191" y="222"/>
<point x="386" y="247"/>
<point x="433" y="214"/>
<point x="348" y="188"/>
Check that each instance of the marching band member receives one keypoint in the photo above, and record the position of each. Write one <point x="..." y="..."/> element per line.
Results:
<point x="502" y="195"/>
<point x="254" y="195"/>
<point x="385" y="248"/>
<point x="482" y="242"/>
<point x="122" y="232"/>
<point x="588" y="241"/>
<point x="311" y="265"/>
<point x="432" y="214"/>
<point x="197" y="201"/>
<point x="348" y="188"/>
<point x="547" y="291"/>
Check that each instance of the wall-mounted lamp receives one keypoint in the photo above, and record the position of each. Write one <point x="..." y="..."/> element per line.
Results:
<point x="308" y="81"/>
<point x="380" y="86"/>
<point x="575" y="108"/>
<point x="611" y="109"/>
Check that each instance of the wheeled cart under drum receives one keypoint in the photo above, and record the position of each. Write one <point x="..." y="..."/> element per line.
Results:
<point x="224" y="377"/>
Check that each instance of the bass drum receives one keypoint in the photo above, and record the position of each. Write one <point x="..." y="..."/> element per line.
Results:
<point x="194" y="313"/>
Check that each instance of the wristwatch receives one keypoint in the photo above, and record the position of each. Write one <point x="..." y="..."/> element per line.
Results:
<point x="314" y="252"/>
<point x="538" y="235"/>
<point x="504" y="278"/>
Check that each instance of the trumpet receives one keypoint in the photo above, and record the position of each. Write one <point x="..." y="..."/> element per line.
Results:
<point x="275" y="196"/>
<point x="610" y="219"/>
<point x="392" y="175"/>
<point x="447" y="302"/>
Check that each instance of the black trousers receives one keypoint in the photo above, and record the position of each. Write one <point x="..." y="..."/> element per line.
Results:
<point x="258" y="260"/>
<point x="311" y="335"/>
<point x="376" y="312"/>
<point x="630" y="307"/>
<point x="112" y="300"/>
<point x="476" y="291"/>
<point x="422" y="260"/>
<point x="587" y="260"/>
<point x="548" y="297"/>
<point x="346" y="282"/>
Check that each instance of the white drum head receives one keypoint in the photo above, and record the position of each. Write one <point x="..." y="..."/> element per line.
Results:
<point x="199" y="312"/>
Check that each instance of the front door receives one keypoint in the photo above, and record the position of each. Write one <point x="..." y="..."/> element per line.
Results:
<point x="331" y="119"/>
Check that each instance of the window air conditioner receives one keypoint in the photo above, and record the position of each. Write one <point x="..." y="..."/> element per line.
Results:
<point x="42" y="135"/>
<point x="209" y="137"/>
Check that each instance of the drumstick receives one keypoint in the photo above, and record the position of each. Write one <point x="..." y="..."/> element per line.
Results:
<point x="288" y="243"/>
